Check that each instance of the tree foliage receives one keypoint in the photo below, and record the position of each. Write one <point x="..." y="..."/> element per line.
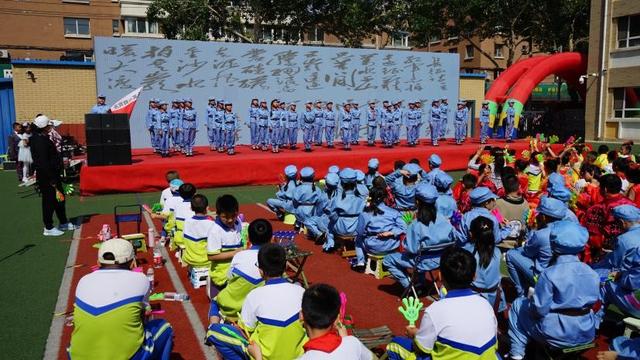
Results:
<point x="548" y="24"/>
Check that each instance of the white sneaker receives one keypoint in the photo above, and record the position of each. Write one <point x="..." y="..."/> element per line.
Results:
<point x="67" y="227"/>
<point x="52" y="232"/>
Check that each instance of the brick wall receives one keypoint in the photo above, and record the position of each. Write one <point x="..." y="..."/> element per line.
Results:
<point x="61" y="92"/>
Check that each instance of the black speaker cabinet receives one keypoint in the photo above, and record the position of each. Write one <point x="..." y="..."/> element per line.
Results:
<point x="112" y="154"/>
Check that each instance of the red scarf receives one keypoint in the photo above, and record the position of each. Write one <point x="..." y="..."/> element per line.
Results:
<point x="325" y="343"/>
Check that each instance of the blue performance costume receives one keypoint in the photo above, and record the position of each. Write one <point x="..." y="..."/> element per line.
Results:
<point x="412" y="123"/>
<point x="386" y="126"/>
<point x="624" y="292"/>
<point x="151" y="124"/>
<point x="211" y="114"/>
<point x="484" y="123"/>
<point x="355" y="123"/>
<point x="626" y="241"/>
<point x="479" y="196"/>
<point x="372" y="172"/>
<point x="444" y="118"/>
<point x="164" y="129"/>
<point x="560" y="314"/>
<point x="404" y="193"/>
<point x="190" y="127"/>
<point x="293" y="122"/>
<point x="253" y="123"/>
<point x="229" y="130"/>
<point x="423" y="243"/>
<point x="511" y="118"/>
<point x="398" y="117"/>
<point x="371" y="225"/>
<point x="318" y="123"/>
<point x="275" y="128"/>
<point x="308" y="123"/>
<point x="218" y="126"/>
<point x="435" y="122"/>
<point x="284" y="197"/>
<point x="345" y="126"/>
<point x="263" y="125"/>
<point x="344" y="209"/>
<point x="308" y="202"/>
<point x="372" y="123"/>
<point x="329" y="124"/>
<point x="530" y="260"/>
<point x="175" y="117"/>
<point x="460" y="123"/>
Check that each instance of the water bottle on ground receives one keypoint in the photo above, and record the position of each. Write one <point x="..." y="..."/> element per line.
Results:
<point x="151" y="277"/>
<point x="173" y="296"/>
<point x="157" y="258"/>
<point x="152" y="237"/>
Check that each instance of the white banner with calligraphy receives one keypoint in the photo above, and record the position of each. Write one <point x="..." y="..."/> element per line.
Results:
<point x="170" y="69"/>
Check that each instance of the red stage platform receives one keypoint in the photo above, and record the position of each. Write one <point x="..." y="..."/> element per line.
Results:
<point x="252" y="167"/>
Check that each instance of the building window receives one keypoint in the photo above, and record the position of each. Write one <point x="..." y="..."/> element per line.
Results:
<point x="497" y="51"/>
<point x="434" y="39"/>
<point x="115" y="26"/>
<point x="628" y="31"/>
<point x="400" y="40"/>
<point x="76" y="27"/>
<point x="453" y="51"/>
<point x="136" y="25"/>
<point x="267" y="34"/>
<point x="316" y="35"/>
<point x="626" y="103"/>
<point x="469" y="52"/>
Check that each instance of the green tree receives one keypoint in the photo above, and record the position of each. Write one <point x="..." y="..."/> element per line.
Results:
<point x="562" y="25"/>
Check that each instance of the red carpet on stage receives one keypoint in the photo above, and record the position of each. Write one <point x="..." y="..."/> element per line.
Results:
<point x="253" y="167"/>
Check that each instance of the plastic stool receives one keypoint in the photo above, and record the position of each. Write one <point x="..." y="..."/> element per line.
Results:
<point x="631" y="325"/>
<point x="377" y="270"/>
<point x="289" y="219"/>
<point x="198" y="276"/>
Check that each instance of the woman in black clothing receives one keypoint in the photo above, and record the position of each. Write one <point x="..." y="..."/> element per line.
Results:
<point x="48" y="165"/>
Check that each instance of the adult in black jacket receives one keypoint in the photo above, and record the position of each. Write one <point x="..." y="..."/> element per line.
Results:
<point x="48" y="166"/>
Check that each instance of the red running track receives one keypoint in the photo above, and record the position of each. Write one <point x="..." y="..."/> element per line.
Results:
<point x="250" y="167"/>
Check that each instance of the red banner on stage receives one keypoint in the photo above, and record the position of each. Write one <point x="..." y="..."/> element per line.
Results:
<point x="127" y="103"/>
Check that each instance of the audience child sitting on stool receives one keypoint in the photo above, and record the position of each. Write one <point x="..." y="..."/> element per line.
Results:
<point x="198" y="231"/>
<point x="243" y="275"/>
<point x="270" y="316"/>
<point x="225" y="242"/>
<point x="110" y="311"/>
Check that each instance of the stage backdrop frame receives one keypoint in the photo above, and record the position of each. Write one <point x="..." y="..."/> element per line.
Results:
<point x="169" y="69"/>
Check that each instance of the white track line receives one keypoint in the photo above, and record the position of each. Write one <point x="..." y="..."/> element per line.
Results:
<point x="192" y="314"/>
<point x="54" y="339"/>
<point x="265" y="207"/>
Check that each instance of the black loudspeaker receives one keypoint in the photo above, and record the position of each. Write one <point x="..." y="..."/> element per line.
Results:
<point x="93" y="121"/>
<point x="108" y="139"/>
<point x="114" y="154"/>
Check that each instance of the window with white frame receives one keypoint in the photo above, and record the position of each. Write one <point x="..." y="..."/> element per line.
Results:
<point x="400" y="39"/>
<point x="140" y="25"/>
<point x="316" y="35"/>
<point x="76" y="27"/>
<point x="453" y="50"/>
<point x="267" y="34"/>
<point x="628" y="31"/>
<point x="626" y="103"/>
<point x="498" y="51"/>
<point x="115" y="26"/>
<point x="434" y="38"/>
<point x="469" y="51"/>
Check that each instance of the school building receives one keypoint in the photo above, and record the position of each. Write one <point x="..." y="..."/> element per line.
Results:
<point x="613" y="73"/>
